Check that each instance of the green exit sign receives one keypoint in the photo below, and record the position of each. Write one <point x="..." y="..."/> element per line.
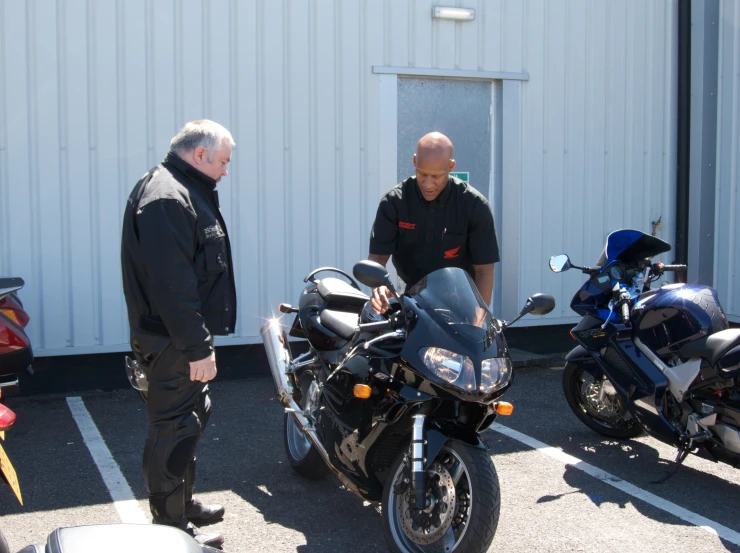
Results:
<point x="462" y="175"/>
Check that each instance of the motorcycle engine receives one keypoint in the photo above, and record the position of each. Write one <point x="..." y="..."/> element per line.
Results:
<point x="720" y="397"/>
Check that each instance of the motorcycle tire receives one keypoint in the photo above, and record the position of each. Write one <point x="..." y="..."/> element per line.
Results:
<point x="623" y="428"/>
<point x="3" y="544"/>
<point x="477" y="503"/>
<point x="302" y="454"/>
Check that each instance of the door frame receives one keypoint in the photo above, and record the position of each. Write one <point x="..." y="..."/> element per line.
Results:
<point x="506" y="167"/>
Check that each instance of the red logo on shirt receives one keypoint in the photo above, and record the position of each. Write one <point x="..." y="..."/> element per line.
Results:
<point x="453" y="253"/>
<point x="409" y="226"/>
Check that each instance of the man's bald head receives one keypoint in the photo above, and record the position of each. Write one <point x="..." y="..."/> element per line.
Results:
<point x="433" y="162"/>
<point x="434" y="145"/>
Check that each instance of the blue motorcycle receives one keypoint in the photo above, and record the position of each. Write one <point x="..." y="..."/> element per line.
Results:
<point x="658" y="360"/>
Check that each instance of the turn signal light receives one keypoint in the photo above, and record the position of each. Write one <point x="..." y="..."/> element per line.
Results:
<point x="363" y="391"/>
<point x="7" y="417"/>
<point x="503" y="408"/>
<point x="10" y="314"/>
<point x="11" y="309"/>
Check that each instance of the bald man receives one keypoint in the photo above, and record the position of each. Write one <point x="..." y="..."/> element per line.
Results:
<point x="431" y="221"/>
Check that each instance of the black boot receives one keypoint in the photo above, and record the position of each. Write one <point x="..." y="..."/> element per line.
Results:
<point x="195" y="510"/>
<point x="209" y="539"/>
<point x="169" y="509"/>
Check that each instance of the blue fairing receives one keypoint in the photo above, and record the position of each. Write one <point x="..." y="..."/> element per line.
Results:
<point x="629" y="246"/>
<point x="618" y="242"/>
<point x="625" y="246"/>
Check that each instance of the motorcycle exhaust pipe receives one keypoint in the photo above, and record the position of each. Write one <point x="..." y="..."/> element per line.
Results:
<point x="279" y="359"/>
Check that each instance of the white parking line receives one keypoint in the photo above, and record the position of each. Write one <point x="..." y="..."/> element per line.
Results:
<point x="684" y="514"/>
<point x="120" y="492"/>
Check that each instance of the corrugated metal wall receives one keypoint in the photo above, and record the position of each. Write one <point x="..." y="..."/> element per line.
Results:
<point x="599" y="148"/>
<point x="727" y="221"/>
<point x="91" y="93"/>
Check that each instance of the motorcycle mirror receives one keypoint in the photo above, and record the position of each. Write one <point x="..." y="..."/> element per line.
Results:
<point x="372" y="274"/>
<point x="541" y="304"/>
<point x="537" y="304"/>
<point x="559" y="263"/>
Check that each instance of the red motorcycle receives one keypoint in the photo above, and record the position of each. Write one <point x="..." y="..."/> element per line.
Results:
<point x="16" y="354"/>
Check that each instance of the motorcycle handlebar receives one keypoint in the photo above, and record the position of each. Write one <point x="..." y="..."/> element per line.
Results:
<point x="625" y="312"/>
<point x="675" y="268"/>
<point x="372" y="327"/>
<point x="661" y="268"/>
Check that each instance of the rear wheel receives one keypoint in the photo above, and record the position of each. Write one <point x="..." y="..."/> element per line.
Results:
<point x="302" y="454"/>
<point x="594" y="400"/>
<point x="463" y="504"/>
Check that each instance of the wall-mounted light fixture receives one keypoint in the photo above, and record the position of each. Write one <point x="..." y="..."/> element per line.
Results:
<point x="458" y="14"/>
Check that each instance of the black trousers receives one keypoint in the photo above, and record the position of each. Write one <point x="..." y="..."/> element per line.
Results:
<point x="178" y="411"/>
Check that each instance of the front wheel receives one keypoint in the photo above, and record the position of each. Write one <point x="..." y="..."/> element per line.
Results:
<point x="594" y="400"/>
<point x="463" y="504"/>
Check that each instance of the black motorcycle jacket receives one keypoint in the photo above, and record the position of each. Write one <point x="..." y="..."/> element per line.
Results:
<point x="178" y="277"/>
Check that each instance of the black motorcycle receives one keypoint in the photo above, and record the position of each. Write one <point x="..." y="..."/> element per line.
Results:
<point x="663" y="360"/>
<point x="395" y="407"/>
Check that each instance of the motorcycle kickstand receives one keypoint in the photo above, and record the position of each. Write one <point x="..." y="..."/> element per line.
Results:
<point x="680" y="458"/>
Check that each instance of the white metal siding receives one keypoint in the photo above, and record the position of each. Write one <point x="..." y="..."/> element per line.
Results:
<point x="91" y="93"/>
<point x="727" y="222"/>
<point x="598" y="133"/>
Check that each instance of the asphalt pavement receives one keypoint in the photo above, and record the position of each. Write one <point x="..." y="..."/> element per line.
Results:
<point x="550" y="500"/>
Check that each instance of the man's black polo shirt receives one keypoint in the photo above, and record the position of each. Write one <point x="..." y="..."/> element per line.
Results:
<point x="456" y="229"/>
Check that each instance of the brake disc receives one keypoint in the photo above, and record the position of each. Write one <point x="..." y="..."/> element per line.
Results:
<point x="610" y="407"/>
<point x="430" y="524"/>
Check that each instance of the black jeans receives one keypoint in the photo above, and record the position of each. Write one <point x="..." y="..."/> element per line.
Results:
<point x="178" y="411"/>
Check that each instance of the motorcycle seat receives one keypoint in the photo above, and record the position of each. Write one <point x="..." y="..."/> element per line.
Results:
<point x="339" y="295"/>
<point x="339" y="322"/>
<point x="729" y="364"/>
<point x="121" y="538"/>
<point x="712" y="347"/>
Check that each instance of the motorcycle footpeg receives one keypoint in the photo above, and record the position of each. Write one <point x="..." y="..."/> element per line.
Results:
<point x="700" y="436"/>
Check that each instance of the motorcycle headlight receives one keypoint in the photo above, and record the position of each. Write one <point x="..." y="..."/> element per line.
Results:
<point x="458" y="370"/>
<point x="450" y="366"/>
<point x="495" y="374"/>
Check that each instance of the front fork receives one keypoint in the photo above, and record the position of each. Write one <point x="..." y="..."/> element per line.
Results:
<point x="418" y="474"/>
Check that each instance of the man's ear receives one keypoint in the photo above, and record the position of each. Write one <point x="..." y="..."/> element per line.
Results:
<point x="414" y="160"/>
<point x="200" y="155"/>
<point x="452" y="164"/>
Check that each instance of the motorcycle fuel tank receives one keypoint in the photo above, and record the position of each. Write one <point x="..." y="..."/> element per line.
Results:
<point x="667" y="318"/>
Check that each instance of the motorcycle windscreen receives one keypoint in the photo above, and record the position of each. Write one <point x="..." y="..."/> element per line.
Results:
<point x="451" y="298"/>
<point x="629" y="245"/>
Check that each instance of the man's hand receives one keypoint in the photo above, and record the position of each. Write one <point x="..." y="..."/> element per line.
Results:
<point x="379" y="301"/>
<point x="480" y="317"/>
<point x="203" y="370"/>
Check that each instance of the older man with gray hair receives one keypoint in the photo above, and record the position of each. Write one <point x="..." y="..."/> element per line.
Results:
<point x="178" y="281"/>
